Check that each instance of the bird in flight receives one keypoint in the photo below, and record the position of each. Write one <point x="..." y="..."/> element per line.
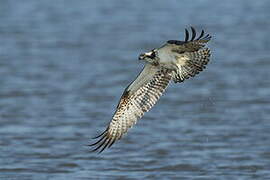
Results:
<point x="176" y="61"/>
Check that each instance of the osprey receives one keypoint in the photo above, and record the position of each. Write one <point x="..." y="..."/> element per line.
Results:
<point x="175" y="60"/>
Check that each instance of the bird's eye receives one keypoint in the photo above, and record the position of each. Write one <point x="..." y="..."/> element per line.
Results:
<point x="153" y="55"/>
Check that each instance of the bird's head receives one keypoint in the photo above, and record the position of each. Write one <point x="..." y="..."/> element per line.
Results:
<point x="150" y="57"/>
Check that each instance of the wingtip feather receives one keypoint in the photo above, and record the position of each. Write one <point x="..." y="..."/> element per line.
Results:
<point x="193" y="33"/>
<point x="186" y="35"/>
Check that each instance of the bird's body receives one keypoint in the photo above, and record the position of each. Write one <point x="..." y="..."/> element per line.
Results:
<point x="177" y="61"/>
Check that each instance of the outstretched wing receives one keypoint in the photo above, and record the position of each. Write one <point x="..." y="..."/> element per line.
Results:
<point x="138" y="98"/>
<point x="191" y="55"/>
<point x="191" y="63"/>
<point x="190" y="45"/>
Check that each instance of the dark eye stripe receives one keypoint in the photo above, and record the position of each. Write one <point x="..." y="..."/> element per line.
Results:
<point x="153" y="55"/>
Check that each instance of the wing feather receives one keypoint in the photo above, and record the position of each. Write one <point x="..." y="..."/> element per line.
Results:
<point x="192" y="44"/>
<point x="191" y="55"/>
<point x="138" y="98"/>
<point x="191" y="63"/>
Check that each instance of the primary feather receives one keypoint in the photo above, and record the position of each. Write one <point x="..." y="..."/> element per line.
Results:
<point x="137" y="99"/>
<point x="176" y="60"/>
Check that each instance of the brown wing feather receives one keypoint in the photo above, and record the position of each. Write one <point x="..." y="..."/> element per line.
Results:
<point x="191" y="63"/>
<point x="192" y="44"/>
<point x="135" y="101"/>
<point x="192" y="55"/>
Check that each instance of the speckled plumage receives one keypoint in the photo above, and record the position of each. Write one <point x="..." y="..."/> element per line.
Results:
<point x="177" y="61"/>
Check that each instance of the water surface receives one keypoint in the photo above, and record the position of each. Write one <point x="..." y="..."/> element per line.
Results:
<point x="64" y="66"/>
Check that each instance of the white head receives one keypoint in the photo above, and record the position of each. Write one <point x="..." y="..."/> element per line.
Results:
<point x="150" y="57"/>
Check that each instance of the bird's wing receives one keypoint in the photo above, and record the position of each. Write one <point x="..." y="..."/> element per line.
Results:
<point x="192" y="44"/>
<point x="137" y="98"/>
<point x="191" y="63"/>
<point x="192" y="56"/>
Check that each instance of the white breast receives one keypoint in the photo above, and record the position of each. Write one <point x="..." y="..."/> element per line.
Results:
<point x="166" y="57"/>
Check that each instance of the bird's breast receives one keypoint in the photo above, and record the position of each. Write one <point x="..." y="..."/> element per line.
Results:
<point x="167" y="58"/>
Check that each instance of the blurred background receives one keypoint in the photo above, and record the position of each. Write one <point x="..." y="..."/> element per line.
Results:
<point x="65" y="64"/>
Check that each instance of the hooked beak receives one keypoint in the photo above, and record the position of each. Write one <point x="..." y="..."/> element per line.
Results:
<point x="141" y="56"/>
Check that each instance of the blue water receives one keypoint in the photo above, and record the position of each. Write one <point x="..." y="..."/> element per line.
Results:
<point x="64" y="66"/>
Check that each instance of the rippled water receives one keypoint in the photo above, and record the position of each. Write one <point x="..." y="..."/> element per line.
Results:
<point x="65" y="64"/>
